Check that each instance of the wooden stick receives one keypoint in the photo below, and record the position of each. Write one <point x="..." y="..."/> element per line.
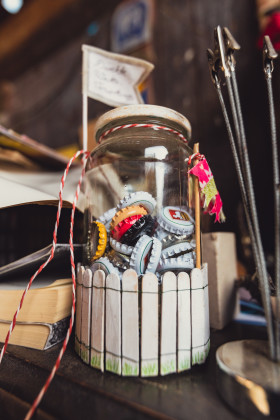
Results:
<point x="197" y="212"/>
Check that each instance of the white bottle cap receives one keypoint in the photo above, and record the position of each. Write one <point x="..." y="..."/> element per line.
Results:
<point x="176" y="220"/>
<point x="138" y="198"/>
<point x="161" y="233"/>
<point x="154" y="257"/>
<point x="106" y="218"/>
<point x="122" y="248"/>
<point x="140" y="253"/>
<point x="105" y="265"/>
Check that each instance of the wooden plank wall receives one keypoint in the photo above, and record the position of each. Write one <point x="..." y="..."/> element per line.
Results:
<point x="51" y="111"/>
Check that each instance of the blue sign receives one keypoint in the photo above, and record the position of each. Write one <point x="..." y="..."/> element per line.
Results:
<point x="131" y="26"/>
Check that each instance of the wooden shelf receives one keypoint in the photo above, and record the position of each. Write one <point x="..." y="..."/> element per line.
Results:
<point x="78" y="391"/>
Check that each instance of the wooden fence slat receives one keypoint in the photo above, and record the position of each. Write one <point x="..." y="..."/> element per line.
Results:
<point x="80" y="273"/>
<point x="86" y="315"/>
<point x="149" y="326"/>
<point x="184" y="323"/>
<point x="168" y="324"/>
<point x="206" y="313"/>
<point x="97" y="320"/>
<point x="113" y="324"/>
<point x="198" y="316"/>
<point x="130" y="324"/>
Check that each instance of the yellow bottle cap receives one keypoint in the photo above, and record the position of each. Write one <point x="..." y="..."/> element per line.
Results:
<point x="97" y="241"/>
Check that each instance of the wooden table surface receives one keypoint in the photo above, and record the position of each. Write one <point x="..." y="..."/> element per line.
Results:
<point x="81" y="392"/>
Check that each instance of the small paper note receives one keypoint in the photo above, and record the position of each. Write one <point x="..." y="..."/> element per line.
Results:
<point x="113" y="78"/>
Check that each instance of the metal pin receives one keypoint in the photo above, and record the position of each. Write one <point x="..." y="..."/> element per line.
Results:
<point x="231" y="45"/>
<point x="225" y="45"/>
<point x="269" y="54"/>
<point x="220" y="51"/>
<point x="213" y="67"/>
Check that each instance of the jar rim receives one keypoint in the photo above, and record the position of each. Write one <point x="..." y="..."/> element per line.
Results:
<point x="141" y="110"/>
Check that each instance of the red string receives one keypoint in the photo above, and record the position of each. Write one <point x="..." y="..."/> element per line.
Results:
<point x="13" y="323"/>
<point x="41" y="394"/>
<point x="153" y="126"/>
<point x="195" y="156"/>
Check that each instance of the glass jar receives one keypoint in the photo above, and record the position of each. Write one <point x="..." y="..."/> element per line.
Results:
<point x="137" y="186"/>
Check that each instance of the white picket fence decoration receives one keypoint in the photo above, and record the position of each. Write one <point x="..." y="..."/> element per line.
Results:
<point x="86" y="315"/>
<point x="168" y="324"/>
<point x="80" y="274"/>
<point x="149" y="325"/>
<point x="97" y="321"/>
<point x="135" y="327"/>
<point x="130" y="324"/>
<point x="184" y="324"/>
<point x="199" y="307"/>
<point x="113" y="324"/>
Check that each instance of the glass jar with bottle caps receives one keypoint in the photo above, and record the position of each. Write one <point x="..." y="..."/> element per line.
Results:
<point x="137" y="212"/>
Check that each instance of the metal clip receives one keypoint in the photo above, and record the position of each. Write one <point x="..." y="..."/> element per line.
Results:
<point x="225" y="46"/>
<point x="220" y="52"/>
<point x="231" y="45"/>
<point x="213" y="63"/>
<point x="269" y="54"/>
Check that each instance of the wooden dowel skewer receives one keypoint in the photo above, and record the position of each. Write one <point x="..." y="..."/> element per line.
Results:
<point x="197" y="212"/>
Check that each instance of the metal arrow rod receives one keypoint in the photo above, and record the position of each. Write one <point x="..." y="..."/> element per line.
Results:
<point x="269" y="54"/>
<point x="261" y="266"/>
<point x="239" y="174"/>
<point x="255" y="248"/>
<point x="223" y="59"/>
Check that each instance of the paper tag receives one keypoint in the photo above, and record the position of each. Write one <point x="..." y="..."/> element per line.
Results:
<point x="113" y="78"/>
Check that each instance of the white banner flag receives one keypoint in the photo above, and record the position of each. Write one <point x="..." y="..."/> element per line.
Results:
<point x="113" y="78"/>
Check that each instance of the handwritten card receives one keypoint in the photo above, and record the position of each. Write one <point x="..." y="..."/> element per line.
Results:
<point x="113" y="78"/>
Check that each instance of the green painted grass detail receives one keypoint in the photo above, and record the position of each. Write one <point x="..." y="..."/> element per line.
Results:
<point x="112" y="365"/>
<point x="96" y="361"/>
<point x="167" y="367"/>
<point x="185" y="364"/>
<point x="207" y="349"/>
<point x="198" y="358"/>
<point x="149" y="369"/>
<point x="85" y="356"/>
<point x="129" y="369"/>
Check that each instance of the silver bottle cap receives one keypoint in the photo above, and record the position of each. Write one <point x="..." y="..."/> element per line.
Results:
<point x="182" y="263"/>
<point x="119" y="260"/>
<point x="172" y="239"/>
<point x="176" y="249"/>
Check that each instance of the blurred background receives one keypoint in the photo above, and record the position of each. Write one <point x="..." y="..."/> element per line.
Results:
<point x="40" y="79"/>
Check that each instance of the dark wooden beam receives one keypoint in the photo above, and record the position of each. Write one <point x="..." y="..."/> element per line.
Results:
<point x="42" y="27"/>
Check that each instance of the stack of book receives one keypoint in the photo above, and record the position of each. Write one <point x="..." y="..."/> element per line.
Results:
<point x="44" y="317"/>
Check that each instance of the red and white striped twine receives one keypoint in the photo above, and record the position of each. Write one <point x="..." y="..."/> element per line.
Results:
<point x="153" y="126"/>
<point x="71" y="322"/>
<point x="195" y="156"/>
